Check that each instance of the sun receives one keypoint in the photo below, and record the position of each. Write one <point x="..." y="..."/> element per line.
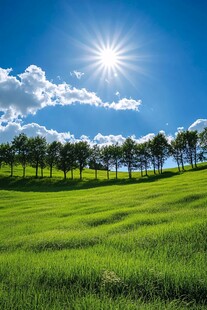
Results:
<point x="108" y="58"/>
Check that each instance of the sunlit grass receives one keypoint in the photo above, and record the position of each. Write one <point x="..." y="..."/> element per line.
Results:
<point x="124" y="245"/>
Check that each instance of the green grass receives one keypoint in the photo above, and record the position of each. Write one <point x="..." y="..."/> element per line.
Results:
<point x="117" y="244"/>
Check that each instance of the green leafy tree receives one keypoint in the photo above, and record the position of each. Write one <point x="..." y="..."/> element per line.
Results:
<point x="192" y="147"/>
<point x="82" y="152"/>
<point x="21" y="146"/>
<point x="52" y="154"/>
<point x="176" y="153"/>
<point x="143" y="157"/>
<point x="180" y="148"/>
<point x="129" y="156"/>
<point x="203" y="144"/>
<point x="95" y="160"/>
<point x="159" y="149"/>
<point x="67" y="159"/>
<point x="1" y="155"/>
<point x="8" y="156"/>
<point x="37" y="153"/>
<point x="115" y="151"/>
<point x="106" y="157"/>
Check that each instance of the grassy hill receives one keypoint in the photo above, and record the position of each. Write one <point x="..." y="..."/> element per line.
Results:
<point x="138" y="244"/>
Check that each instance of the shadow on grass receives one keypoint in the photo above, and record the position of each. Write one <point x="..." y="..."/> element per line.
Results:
<point x="31" y="184"/>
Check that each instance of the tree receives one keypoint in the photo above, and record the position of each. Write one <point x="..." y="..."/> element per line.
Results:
<point x="129" y="155"/>
<point x="8" y="156"/>
<point x="95" y="160"/>
<point x="21" y="146"/>
<point x="52" y="154"/>
<point x="159" y="149"/>
<point x="106" y="157"/>
<point x="180" y="148"/>
<point x="83" y="152"/>
<point x="116" y="156"/>
<point x="143" y="157"/>
<point x="191" y="147"/>
<point x="37" y="153"/>
<point x="67" y="159"/>
<point x="175" y="153"/>
<point x="203" y="144"/>
<point x="1" y="155"/>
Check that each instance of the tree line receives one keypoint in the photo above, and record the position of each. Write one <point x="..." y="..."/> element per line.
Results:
<point x="188" y="147"/>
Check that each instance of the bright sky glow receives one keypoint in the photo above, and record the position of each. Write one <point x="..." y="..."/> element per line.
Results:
<point x="109" y="58"/>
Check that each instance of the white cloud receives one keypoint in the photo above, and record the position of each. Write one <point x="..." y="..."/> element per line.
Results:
<point x="77" y="74"/>
<point x="146" y="138"/>
<point x="117" y="93"/>
<point x="12" y="129"/>
<point x="124" y="104"/>
<point x="108" y="140"/>
<point x="31" y="91"/>
<point x="198" y="125"/>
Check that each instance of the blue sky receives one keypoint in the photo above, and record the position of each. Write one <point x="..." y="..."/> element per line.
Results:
<point x="59" y="86"/>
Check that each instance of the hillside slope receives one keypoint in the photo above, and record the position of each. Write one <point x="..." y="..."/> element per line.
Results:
<point x="124" y="245"/>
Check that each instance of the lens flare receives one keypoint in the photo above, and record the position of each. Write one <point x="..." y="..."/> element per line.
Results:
<point x="108" y="58"/>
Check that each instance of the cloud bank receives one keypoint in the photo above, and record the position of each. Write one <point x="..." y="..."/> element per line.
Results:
<point x="30" y="91"/>
<point x="12" y="129"/>
<point x="198" y="125"/>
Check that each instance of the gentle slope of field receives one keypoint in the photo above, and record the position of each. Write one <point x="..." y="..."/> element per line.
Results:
<point x="119" y="245"/>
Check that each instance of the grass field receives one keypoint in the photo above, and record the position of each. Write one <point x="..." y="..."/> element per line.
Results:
<point x="139" y="244"/>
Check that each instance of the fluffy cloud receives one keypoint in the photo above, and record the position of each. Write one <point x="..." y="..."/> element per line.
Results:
<point x="31" y="91"/>
<point x="198" y="125"/>
<point x="146" y="138"/>
<point x="77" y="74"/>
<point x="12" y="129"/>
<point x="124" y="104"/>
<point x="108" y="140"/>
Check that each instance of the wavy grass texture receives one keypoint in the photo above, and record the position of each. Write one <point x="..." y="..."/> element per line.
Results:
<point x="139" y="244"/>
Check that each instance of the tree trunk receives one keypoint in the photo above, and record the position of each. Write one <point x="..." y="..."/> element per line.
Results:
<point x="107" y="173"/>
<point x="12" y="169"/>
<point x="64" y="174"/>
<point x="72" y="174"/>
<point x="36" y="174"/>
<point x="81" y="173"/>
<point x="130" y="173"/>
<point x="51" y="171"/>
<point x="116" y="171"/>
<point x="146" y="170"/>
<point x="24" y="171"/>
<point x="182" y="164"/>
<point x="96" y="174"/>
<point x="178" y="165"/>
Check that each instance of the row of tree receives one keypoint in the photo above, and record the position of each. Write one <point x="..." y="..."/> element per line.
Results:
<point x="188" y="147"/>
